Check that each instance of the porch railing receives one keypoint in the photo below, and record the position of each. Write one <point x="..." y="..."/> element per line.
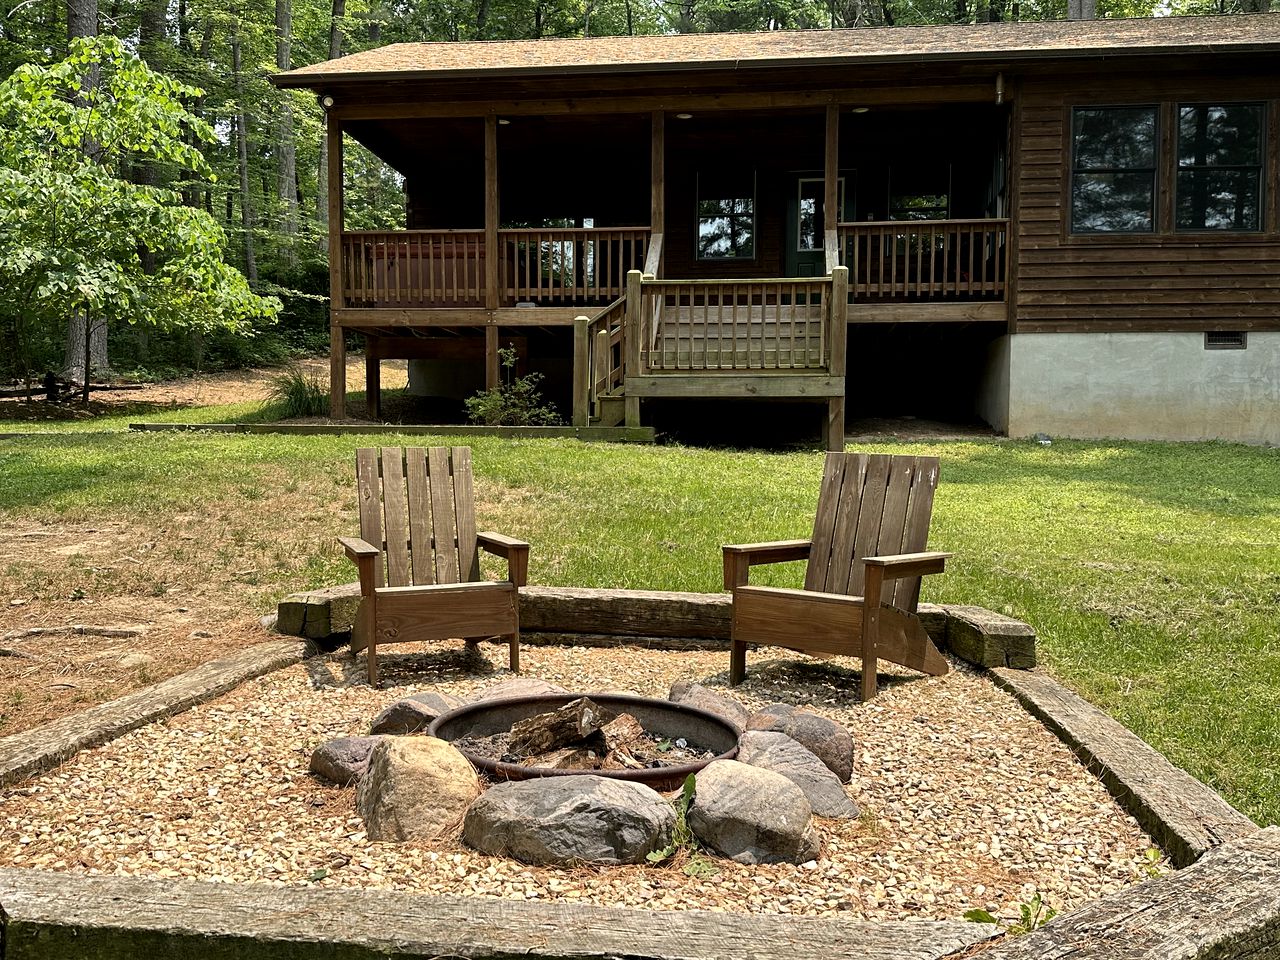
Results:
<point x="413" y="268"/>
<point x="572" y="265"/>
<point x="926" y="259"/>
<point x="446" y="268"/>
<point x="734" y="324"/>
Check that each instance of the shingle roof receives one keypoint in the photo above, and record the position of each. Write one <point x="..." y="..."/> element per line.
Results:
<point x="728" y="51"/>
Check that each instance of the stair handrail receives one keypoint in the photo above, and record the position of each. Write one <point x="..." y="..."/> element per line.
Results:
<point x="596" y="372"/>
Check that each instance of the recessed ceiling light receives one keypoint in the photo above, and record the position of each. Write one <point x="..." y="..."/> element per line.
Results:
<point x="859" y="109"/>
<point x="504" y="122"/>
<point x="684" y="116"/>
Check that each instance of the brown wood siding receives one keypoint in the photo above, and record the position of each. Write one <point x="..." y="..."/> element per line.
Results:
<point x="1162" y="281"/>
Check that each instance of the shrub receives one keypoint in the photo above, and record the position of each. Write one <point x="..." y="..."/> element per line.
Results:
<point x="297" y="394"/>
<point x="515" y="402"/>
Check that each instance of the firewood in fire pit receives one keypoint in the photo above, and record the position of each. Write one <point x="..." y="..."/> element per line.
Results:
<point x="571" y="724"/>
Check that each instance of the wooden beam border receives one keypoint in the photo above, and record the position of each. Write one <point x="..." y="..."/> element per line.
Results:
<point x="57" y="915"/>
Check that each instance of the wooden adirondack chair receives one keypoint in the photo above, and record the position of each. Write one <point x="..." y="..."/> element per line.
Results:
<point x="871" y="527"/>
<point x="420" y="579"/>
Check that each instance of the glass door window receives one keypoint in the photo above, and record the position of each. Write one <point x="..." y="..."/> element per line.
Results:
<point x="810" y="214"/>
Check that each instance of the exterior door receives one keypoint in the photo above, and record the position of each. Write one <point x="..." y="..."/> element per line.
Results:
<point x="804" y="243"/>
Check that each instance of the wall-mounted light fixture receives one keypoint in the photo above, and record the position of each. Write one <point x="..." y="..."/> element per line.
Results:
<point x="327" y="102"/>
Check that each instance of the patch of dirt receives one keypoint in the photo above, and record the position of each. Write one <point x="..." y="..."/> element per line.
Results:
<point x="914" y="428"/>
<point x="199" y="390"/>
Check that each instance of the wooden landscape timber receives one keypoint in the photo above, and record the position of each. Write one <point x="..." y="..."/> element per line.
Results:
<point x="1225" y="907"/>
<point x="1183" y="815"/>
<point x="31" y="752"/>
<point x="57" y="916"/>
<point x="599" y="617"/>
<point x="588" y="434"/>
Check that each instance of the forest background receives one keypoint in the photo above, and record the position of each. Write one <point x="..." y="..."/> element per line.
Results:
<point x="262" y="177"/>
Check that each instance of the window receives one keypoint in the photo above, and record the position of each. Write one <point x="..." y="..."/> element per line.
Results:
<point x="1113" y="169"/>
<point x="1219" y="167"/>
<point x="726" y="216"/>
<point x="811" y="219"/>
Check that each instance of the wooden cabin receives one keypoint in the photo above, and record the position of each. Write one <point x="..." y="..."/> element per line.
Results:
<point x="1069" y="227"/>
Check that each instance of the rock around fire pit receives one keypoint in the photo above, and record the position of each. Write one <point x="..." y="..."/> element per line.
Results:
<point x="574" y="775"/>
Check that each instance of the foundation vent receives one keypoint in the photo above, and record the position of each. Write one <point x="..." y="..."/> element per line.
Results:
<point x="1226" y="340"/>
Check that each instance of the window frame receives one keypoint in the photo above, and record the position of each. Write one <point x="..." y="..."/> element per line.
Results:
<point x="1157" y="187"/>
<point x="698" y="218"/>
<point x="1260" y="168"/>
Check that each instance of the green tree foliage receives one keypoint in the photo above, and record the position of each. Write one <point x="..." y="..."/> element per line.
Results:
<point x="74" y="231"/>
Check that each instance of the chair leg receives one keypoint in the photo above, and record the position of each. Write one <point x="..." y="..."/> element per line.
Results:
<point x="737" y="662"/>
<point x="870" y="629"/>
<point x="371" y="653"/>
<point x="513" y="658"/>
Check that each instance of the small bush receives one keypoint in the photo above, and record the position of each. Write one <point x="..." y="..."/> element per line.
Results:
<point x="516" y="402"/>
<point x="297" y="394"/>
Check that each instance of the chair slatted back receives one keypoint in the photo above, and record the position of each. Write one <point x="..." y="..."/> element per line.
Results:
<point x="870" y="505"/>
<point x="416" y="505"/>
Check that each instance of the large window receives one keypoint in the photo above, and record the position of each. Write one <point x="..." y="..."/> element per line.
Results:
<point x="726" y="216"/>
<point x="1219" y="167"/>
<point x="1113" y="169"/>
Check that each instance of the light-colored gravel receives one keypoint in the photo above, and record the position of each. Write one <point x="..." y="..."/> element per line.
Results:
<point x="968" y="801"/>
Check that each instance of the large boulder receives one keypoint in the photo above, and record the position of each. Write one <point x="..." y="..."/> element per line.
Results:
<point x="344" y="760"/>
<point x="518" y="687"/>
<point x="414" y="713"/>
<point x="831" y="742"/>
<point x="416" y="788"/>
<point x="781" y="754"/>
<point x="752" y="815"/>
<point x="696" y="695"/>
<point x="566" y="820"/>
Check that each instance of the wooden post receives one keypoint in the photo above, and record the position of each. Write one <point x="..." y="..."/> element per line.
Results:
<point x="657" y="173"/>
<point x="581" y="371"/>
<point x="337" y="346"/>
<point x="492" y="256"/>
<point x="831" y="183"/>
<point x="837" y="341"/>
<point x="633" y="334"/>
<point x="1013" y="241"/>
<point x="372" y="378"/>
<point x="492" y="365"/>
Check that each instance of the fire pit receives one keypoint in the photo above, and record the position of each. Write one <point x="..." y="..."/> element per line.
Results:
<point x="702" y="733"/>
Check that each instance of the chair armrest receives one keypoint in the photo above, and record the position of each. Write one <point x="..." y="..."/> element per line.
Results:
<point x="900" y="565"/>
<point x="365" y="556"/>
<point x="739" y="558"/>
<point x="515" y="552"/>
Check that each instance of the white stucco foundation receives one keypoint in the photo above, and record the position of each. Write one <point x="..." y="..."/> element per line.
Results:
<point x="1137" y="386"/>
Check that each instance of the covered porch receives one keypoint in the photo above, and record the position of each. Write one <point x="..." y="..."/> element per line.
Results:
<point x="708" y="252"/>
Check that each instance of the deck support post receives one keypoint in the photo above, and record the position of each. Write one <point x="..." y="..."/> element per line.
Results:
<point x="838" y="338"/>
<point x="492" y="367"/>
<point x="372" y="378"/>
<point x="337" y="346"/>
<point x="633" y="335"/>
<point x="581" y="371"/>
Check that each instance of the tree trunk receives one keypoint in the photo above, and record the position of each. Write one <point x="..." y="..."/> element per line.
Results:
<point x="242" y="149"/>
<point x="82" y="21"/>
<point x="322" y="178"/>
<point x="288" y="177"/>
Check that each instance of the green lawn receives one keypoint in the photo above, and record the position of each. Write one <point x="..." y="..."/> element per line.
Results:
<point x="1150" y="571"/>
